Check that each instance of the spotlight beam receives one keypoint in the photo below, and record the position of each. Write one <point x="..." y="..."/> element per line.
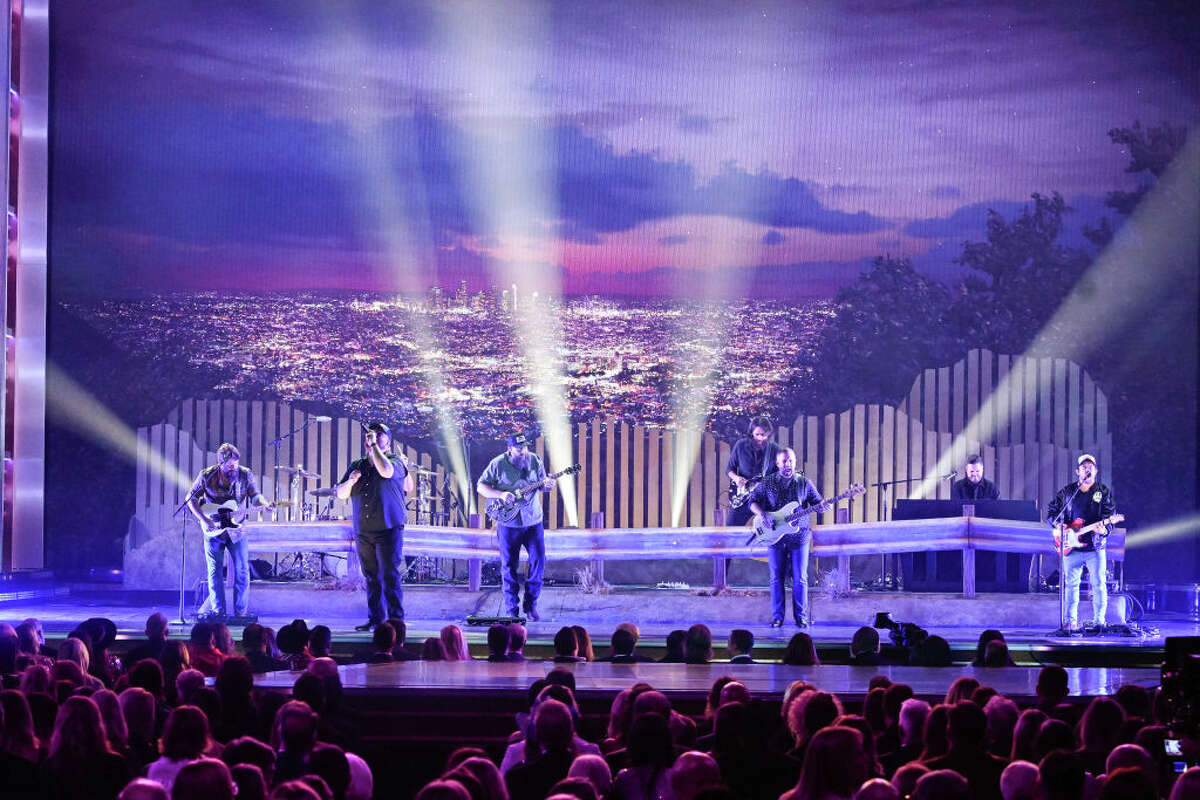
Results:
<point x="73" y="406"/>
<point x="704" y="340"/>
<point x="1173" y="530"/>
<point x="1153" y="255"/>
<point x="513" y="196"/>
<point x="402" y="225"/>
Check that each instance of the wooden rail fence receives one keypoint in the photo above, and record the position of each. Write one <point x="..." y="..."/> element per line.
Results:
<point x="1049" y="411"/>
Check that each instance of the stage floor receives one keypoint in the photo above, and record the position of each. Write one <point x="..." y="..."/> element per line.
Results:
<point x="849" y="683"/>
<point x="430" y="607"/>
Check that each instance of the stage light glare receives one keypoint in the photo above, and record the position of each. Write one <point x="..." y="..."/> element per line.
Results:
<point x="71" y="405"/>
<point x="1186" y="527"/>
<point x="702" y="335"/>
<point x="511" y="193"/>
<point x="1150" y="261"/>
<point x="400" y="216"/>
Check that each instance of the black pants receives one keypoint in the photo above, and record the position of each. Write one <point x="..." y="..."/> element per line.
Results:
<point x="739" y="516"/>
<point x="379" y="554"/>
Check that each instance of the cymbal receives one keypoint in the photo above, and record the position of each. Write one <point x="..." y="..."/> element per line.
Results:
<point x="283" y="503"/>
<point x="420" y="470"/>
<point x="328" y="492"/>
<point x="301" y="471"/>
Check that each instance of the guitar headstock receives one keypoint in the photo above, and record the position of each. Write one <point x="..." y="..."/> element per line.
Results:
<point x="571" y="470"/>
<point x="855" y="490"/>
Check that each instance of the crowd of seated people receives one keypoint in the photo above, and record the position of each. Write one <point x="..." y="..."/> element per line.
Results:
<point x="183" y="720"/>
<point x="77" y="722"/>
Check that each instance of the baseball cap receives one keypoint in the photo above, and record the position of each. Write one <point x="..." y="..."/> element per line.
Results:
<point x="1087" y="457"/>
<point x="516" y="440"/>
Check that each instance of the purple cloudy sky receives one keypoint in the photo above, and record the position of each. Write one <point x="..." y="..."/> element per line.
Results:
<point x="263" y="145"/>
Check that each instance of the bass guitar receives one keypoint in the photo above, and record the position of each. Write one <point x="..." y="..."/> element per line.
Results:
<point x="503" y="513"/>
<point x="1071" y="537"/>
<point x="792" y="517"/>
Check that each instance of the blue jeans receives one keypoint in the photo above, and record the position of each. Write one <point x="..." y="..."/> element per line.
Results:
<point x="793" y="547"/>
<point x="1096" y="563"/>
<point x="379" y="555"/>
<point x="511" y="539"/>
<point x="214" y="560"/>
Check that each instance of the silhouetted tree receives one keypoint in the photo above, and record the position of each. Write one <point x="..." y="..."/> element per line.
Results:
<point x="1020" y="275"/>
<point x="1150" y="150"/>
<point x="889" y="326"/>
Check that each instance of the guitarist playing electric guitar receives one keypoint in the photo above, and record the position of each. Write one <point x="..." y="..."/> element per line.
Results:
<point x="775" y="491"/>
<point x="751" y="459"/>
<point x="215" y="500"/>
<point x="1086" y="505"/>
<point x="514" y="470"/>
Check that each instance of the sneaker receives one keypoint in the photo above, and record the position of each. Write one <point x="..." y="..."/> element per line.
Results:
<point x="776" y="623"/>
<point x="366" y="626"/>
<point x="532" y="613"/>
<point x="802" y="623"/>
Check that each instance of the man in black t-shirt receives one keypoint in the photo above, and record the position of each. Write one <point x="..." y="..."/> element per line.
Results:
<point x="376" y="485"/>
<point x="974" y="486"/>
<point x="751" y="459"/>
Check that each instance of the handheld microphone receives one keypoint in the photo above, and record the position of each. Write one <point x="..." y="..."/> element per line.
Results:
<point x="951" y="476"/>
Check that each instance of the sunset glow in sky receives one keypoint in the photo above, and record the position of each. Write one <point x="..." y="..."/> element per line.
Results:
<point x="212" y="146"/>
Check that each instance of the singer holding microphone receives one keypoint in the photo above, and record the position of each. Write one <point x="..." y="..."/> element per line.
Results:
<point x="974" y="486"/>
<point x="376" y="485"/>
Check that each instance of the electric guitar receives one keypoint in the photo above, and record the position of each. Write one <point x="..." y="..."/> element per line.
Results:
<point x="224" y="517"/>
<point x="1070" y="537"/>
<point x="503" y="513"/>
<point x="738" y="497"/>
<point x="789" y="519"/>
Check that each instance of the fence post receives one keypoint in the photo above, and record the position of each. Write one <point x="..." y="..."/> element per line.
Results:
<point x="596" y="522"/>
<point x="474" y="565"/>
<point x="968" y="555"/>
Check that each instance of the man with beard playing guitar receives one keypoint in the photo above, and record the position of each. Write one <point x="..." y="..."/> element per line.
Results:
<point x="774" y="492"/>
<point x="215" y="500"/>
<point x="1083" y="514"/>
<point x="512" y="470"/>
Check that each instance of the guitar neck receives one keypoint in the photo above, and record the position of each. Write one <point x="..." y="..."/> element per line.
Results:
<point x="526" y="491"/>
<point x="823" y="506"/>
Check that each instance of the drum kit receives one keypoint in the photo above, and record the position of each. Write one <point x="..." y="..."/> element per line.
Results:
<point x="322" y="504"/>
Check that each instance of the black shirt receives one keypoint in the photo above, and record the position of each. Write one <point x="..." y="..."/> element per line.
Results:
<point x="748" y="462"/>
<point x="963" y="489"/>
<point x="775" y="492"/>
<point x="378" y="503"/>
<point x="1095" y="504"/>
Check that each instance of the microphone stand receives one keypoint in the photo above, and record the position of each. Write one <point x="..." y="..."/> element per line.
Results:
<point x="1062" y="568"/>
<point x="182" y="560"/>
<point x="886" y="582"/>
<point x="297" y="503"/>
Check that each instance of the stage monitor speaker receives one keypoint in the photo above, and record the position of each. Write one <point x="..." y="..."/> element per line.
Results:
<point x="232" y="621"/>
<point x="476" y="619"/>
